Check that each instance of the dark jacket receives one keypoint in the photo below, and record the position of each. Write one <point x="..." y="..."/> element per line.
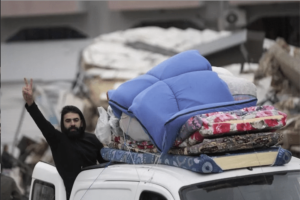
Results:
<point x="7" y="162"/>
<point x="70" y="155"/>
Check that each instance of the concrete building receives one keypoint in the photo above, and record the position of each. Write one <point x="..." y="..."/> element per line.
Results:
<point x="38" y="20"/>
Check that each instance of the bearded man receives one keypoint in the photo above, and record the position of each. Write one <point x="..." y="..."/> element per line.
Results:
<point x="72" y="148"/>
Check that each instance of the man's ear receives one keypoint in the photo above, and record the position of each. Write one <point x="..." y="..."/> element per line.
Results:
<point x="81" y="124"/>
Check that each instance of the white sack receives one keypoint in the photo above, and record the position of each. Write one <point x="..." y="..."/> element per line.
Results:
<point x="102" y="130"/>
<point x="114" y="123"/>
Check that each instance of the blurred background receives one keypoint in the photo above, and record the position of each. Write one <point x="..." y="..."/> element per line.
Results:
<point x="75" y="51"/>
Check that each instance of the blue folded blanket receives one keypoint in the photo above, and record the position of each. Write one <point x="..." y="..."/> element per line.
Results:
<point x="203" y="163"/>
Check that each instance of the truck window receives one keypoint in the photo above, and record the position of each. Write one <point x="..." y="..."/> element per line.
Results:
<point x="275" y="186"/>
<point x="148" y="195"/>
<point x="43" y="191"/>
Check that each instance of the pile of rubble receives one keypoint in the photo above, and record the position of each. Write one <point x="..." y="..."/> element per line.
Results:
<point x="281" y="63"/>
<point x="119" y="56"/>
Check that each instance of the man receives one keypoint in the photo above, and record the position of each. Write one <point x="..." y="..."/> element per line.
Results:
<point x="72" y="148"/>
<point x="9" y="189"/>
<point x="7" y="161"/>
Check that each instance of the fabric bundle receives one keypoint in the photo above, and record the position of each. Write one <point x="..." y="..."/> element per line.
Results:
<point x="184" y="107"/>
<point x="251" y="119"/>
<point x="240" y="88"/>
<point x="170" y="93"/>
<point x="133" y="145"/>
<point x="231" y="143"/>
<point x="246" y="119"/>
<point x="204" y="164"/>
<point x="247" y="128"/>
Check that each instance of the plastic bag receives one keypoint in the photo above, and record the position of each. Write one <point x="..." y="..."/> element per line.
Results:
<point x="102" y="130"/>
<point x="114" y="123"/>
<point x="133" y="128"/>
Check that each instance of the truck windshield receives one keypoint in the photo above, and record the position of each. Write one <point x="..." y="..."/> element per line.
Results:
<point x="276" y="186"/>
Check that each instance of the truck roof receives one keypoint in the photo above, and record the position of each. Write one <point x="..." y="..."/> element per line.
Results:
<point x="173" y="178"/>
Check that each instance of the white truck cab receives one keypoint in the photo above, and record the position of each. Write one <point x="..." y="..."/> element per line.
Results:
<point x="162" y="182"/>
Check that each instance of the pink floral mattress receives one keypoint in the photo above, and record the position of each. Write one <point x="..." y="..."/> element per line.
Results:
<point x="130" y="144"/>
<point x="210" y="125"/>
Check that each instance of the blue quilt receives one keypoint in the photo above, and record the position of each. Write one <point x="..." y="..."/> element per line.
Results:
<point x="164" y="98"/>
<point x="201" y="164"/>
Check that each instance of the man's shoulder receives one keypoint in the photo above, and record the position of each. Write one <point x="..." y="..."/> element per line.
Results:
<point x="90" y="136"/>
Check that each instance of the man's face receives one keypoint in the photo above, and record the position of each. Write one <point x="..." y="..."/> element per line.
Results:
<point x="72" y="120"/>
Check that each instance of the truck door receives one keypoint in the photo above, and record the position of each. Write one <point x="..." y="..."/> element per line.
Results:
<point x="108" y="190"/>
<point x="46" y="183"/>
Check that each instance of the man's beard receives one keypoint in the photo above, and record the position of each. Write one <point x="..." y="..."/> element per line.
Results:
<point x="74" y="134"/>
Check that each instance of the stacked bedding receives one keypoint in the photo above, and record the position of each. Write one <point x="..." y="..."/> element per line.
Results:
<point x="203" y="163"/>
<point x="251" y="127"/>
<point x="129" y="144"/>
<point x="211" y="142"/>
<point x="184" y="110"/>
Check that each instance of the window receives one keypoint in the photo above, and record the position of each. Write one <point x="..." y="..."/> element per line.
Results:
<point x="275" y="186"/>
<point x="43" y="191"/>
<point x="148" y="195"/>
<point x="46" y="33"/>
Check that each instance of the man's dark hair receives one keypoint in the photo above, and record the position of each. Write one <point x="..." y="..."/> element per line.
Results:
<point x="71" y="109"/>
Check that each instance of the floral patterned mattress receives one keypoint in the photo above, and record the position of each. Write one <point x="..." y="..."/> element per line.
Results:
<point x="231" y="143"/>
<point x="246" y="120"/>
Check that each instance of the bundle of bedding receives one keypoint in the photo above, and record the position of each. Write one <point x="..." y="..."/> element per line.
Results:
<point x="169" y="113"/>
<point x="128" y="143"/>
<point x="248" y="128"/>
<point x="169" y="94"/>
<point x="230" y="144"/>
<point x="208" y="143"/>
<point x="250" y="119"/>
<point x="275" y="156"/>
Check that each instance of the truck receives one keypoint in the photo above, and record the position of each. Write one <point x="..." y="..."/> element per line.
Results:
<point x="113" y="181"/>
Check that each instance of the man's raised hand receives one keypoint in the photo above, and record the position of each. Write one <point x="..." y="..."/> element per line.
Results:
<point x="27" y="92"/>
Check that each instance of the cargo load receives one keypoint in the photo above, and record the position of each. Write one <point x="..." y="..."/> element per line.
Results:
<point x="185" y="109"/>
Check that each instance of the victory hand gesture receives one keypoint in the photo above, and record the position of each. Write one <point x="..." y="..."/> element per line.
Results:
<point x="27" y="92"/>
